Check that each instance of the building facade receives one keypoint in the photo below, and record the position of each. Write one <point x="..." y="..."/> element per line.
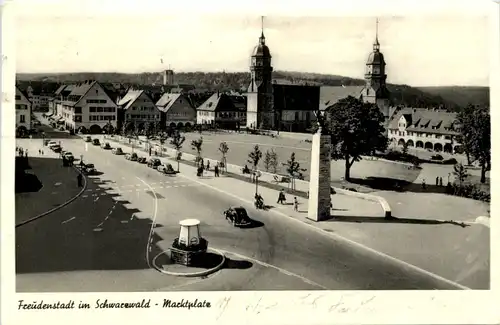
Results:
<point x="295" y="105"/>
<point x="23" y="112"/>
<point x="221" y="111"/>
<point x="176" y="111"/>
<point x="260" y="113"/>
<point x="138" y="108"/>
<point x="424" y="128"/>
<point x="87" y="108"/>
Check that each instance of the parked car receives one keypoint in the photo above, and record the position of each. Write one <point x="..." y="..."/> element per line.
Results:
<point x="96" y="142"/>
<point x="131" y="156"/>
<point x="68" y="155"/>
<point x="166" y="169"/>
<point x="89" y="169"/>
<point x="154" y="162"/>
<point x="56" y="148"/>
<point x="106" y="146"/>
<point x="88" y="139"/>
<point x="117" y="151"/>
<point x="142" y="160"/>
<point x="50" y="144"/>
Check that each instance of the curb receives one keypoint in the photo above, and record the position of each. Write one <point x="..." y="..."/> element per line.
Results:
<point x="192" y="274"/>
<point x="59" y="206"/>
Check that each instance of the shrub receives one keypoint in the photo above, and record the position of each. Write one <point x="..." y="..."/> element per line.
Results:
<point x="437" y="157"/>
<point x="451" y="161"/>
<point x="470" y="191"/>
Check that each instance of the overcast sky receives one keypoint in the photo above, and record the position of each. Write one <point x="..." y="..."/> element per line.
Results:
<point x="428" y="48"/>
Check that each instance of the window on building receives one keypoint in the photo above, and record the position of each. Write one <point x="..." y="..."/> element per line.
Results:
<point x="22" y="118"/>
<point x="18" y="97"/>
<point x="78" y="110"/>
<point x="99" y="109"/>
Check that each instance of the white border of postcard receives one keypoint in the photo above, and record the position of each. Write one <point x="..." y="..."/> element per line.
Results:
<point x="295" y="307"/>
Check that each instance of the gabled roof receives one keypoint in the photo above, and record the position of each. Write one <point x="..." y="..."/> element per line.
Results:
<point x="59" y="90"/>
<point x="425" y="120"/>
<point x="25" y="95"/>
<point x="329" y="95"/>
<point x="210" y="104"/>
<point x="167" y="100"/>
<point x="131" y="96"/>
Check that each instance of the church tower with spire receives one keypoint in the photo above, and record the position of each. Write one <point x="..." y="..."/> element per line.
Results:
<point x="260" y="91"/>
<point x="375" y="90"/>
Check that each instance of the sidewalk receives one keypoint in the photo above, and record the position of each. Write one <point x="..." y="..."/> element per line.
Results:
<point x="59" y="183"/>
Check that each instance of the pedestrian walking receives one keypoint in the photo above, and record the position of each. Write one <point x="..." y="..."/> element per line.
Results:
<point x="26" y="153"/>
<point x="39" y="151"/>
<point x="150" y="151"/>
<point x="208" y="165"/>
<point x="440" y="181"/>
<point x="437" y="181"/>
<point x="295" y="204"/>
<point x="281" y="197"/>
<point x="423" y="184"/>
<point x="79" y="180"/>
<point x="216" y="171"/>
<point x="156" y="153"/>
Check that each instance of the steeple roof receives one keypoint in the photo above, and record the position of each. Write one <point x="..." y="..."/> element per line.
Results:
<point x="262" y="50"/>
<point x="376" y="57"/>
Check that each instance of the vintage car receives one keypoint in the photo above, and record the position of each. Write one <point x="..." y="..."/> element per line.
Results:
<point x="154" y="162"/>
<point x="142" y="160"/>
<point x="106" y="146"/>
<point x="69" y="156"/>
<point x="117" y="151"/>
<point x="166" y="169"/>
<point x="89" y="169"/>
<point x="56" y="148"/>
<point x="131" y="156"/>
<point x="88" y="139"/>
<point x="96" y="142"/>
<point x="237" y="216"/>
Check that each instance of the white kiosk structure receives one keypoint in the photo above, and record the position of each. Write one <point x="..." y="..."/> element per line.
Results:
<point x="189" y="246"/>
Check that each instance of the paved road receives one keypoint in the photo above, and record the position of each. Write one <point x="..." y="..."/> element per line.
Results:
<point x="64" y="253"/>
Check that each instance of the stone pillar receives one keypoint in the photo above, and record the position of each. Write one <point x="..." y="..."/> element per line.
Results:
<point x="319" y="183"/>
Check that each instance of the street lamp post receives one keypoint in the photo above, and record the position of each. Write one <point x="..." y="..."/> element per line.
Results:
<point x="257" y="174"/>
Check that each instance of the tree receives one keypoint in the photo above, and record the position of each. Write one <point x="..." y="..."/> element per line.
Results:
<point x="223" y="148"/>
<point x="108" y="128"/>
<point x="356" y="129"/>
<point x="293" y="169"/>
<point x="460" y="172"/>
<point x="254" y="157"/>
<point x="475" y="131"/>
<point x="274" y="161"/>
<point x="267" y="160"/>
<point x="197" y="145"/>
<point x="177" y="142"/>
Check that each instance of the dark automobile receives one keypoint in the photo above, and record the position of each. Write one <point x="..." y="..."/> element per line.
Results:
<point x="56" y="148"/>
<point x="142" y="160"/>
<point x="88" y="139"/>
<point x="89" y="169"/>
<point x="237" y="216"/>
<point x="106" y="146"/>
<point x="96" y="142"/>
<point x="154" y="162"/>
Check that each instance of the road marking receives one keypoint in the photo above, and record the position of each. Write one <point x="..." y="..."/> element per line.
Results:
<point x="84" y="196"/>
<point x="57" y="184"/>
<point x="65" y="221"/>
<point x="341" y="238"/>
<point x="151" y="230"/>
<point x="97" y="199"/>
<point x="306" y="280"/>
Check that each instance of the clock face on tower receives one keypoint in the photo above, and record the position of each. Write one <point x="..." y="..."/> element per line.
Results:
<point x="376" y="69"/>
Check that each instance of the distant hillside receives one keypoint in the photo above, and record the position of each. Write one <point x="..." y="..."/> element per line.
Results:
<point x="447" y="97"/>
<point x="461" y="96"/>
